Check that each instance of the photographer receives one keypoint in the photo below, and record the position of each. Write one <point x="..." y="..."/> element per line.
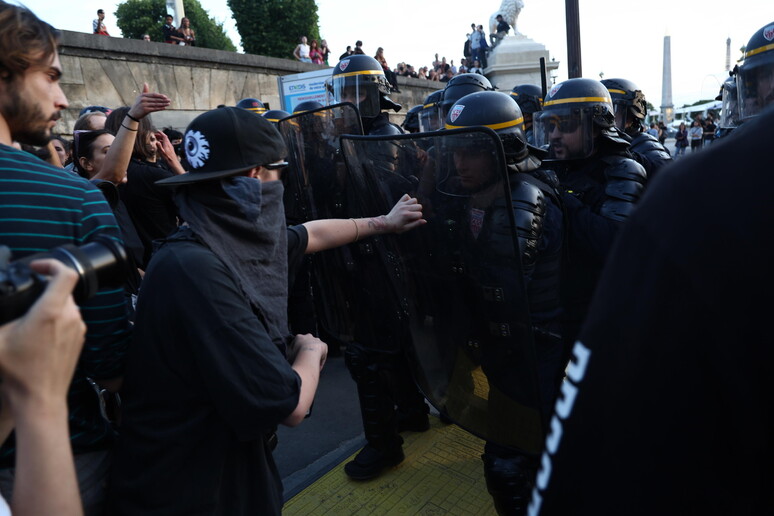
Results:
<point x="42" y="207"/>
<point x="38" y="353"/>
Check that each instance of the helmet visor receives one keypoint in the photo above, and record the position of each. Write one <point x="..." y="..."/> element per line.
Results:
<point x="566" y="133"/>
<point x="755" y="84"/>
<point x="621" y="114"/>
<point x="729" y="115"/>
<point x="360" y="90"/>
<point x="430" y="119"/>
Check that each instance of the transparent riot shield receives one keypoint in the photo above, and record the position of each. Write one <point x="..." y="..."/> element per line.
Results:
<point x="457" y="279"/>
<point x="314" y="189"/>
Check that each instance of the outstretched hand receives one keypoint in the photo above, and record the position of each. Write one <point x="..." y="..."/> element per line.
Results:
<point x="148" y="103"/>
<point x="405" y="215"/>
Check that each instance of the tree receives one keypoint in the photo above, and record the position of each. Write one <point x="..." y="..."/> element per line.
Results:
<point x="273" y="27"/>
<point x="138" y="17"/>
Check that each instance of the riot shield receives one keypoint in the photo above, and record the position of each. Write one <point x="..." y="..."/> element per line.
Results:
<point x="457" y="279"/>
<point x="314" y="189"/>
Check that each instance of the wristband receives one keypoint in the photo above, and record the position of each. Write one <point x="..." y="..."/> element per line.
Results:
<point x="128" y="128"/>
<point x="131" y="117"/>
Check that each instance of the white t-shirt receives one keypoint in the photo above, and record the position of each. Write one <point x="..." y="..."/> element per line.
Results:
<point x="303" y="50"/>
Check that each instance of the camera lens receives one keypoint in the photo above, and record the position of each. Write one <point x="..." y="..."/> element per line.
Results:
<point x="99" y="264"/>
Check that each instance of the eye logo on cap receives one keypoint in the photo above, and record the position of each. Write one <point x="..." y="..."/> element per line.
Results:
<point x="197" y="149"/>
<point x="456" y="112"/>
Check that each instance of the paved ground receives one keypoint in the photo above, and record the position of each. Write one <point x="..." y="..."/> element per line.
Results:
<point x="332" y="433"/>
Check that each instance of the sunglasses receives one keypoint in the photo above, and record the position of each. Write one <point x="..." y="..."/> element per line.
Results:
<point x="279" y="165"/>
<point x="565" y="125"/>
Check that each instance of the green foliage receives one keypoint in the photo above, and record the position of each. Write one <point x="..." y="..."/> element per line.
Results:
<point x="273" y="27"/>
<point x="138" y="17"/>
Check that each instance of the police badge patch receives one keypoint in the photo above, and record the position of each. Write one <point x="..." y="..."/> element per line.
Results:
<point x="476" y="221"/>
<point x="343" y="65"/>
<point x="456" y="112"/>
<point x="768" y="33"/>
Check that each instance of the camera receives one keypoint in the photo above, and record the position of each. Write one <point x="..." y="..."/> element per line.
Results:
<point x="100" y="263"/>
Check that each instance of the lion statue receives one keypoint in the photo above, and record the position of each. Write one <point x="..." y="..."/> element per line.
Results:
<point x="510" y="10"/>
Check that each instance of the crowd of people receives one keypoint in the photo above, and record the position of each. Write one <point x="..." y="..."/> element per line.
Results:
<point x="475" y="52"/>
<point x="184" y="35"/>
<point x="571" y="263"/>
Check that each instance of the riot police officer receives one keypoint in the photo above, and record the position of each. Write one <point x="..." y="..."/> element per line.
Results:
<point x="537" y="210"/>
<point x="630" y="110"/>
<point x="376" y="358"/>
<point x="530" y="99"/>
<point x="411" y="122"/>
<point x="307" y="105"/>
<point x="755" y="79"/>
<point x="729" y="113"/>
<point x="601" y="183"/>
<point x="275" y="115"/>
<point x="360" y="79"/>
<point x="430" y="115"/>
<point x="459" y="86"/>
<point x="252" y="104"/>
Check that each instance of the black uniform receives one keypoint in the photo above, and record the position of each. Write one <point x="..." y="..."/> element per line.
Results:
<point x="668" y="405"/>
<point x="538" y="214"/>
<point x="599" y="194"/>
<point x="648" y="152"/>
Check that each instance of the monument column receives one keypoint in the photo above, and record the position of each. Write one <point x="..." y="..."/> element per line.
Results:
<point x="667" y="109"/>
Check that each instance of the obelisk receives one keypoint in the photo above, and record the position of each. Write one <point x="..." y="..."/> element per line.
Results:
<point x="667" y="109"/>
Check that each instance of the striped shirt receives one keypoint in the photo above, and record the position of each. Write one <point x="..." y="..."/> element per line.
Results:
<point x="42" y="207"/>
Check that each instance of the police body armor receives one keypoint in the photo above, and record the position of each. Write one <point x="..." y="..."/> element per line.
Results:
<point x="610" y="185"/>
<point x="457" y="281"/>
<point x="649" y="152"/>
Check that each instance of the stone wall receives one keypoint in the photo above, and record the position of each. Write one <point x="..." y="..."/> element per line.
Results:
<point x="110" y="72"/>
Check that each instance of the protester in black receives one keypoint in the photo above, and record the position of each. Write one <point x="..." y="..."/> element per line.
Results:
<point x="208" y="379"/>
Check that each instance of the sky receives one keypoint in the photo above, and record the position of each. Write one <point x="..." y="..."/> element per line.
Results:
<point x="619" y="38"/>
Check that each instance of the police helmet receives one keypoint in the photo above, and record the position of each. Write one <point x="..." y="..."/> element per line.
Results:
<point x="461" y="85"/>
<point x="251" y="104"/>
<point x="729" y="113"/>
<point x="411" y="122"/>
<point x="360" y="79"/>
<point x="574" y="111"/>
<point x="497" y="111"/>
<point x="430" y="117"/>
<point x="275" y="115"/>
<point x="529" y="97"/>
<point x="629" y="103"/>
<point x="307" y="105"/>
<point x="755" y="80"/>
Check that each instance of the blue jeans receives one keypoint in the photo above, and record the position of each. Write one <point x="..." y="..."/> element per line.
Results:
<point x="305" y="59"/>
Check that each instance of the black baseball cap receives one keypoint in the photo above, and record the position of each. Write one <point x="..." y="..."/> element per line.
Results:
<point x="227" y="141"/>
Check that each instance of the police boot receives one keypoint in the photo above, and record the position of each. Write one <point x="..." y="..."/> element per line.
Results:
<point x="384" y="449"/>
<point x="509" y="481"/>
<point x="412" y="410"/>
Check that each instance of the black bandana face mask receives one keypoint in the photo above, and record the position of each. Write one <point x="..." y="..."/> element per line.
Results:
<point x="242" y="220"/>
<point x="247" y="193"/>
